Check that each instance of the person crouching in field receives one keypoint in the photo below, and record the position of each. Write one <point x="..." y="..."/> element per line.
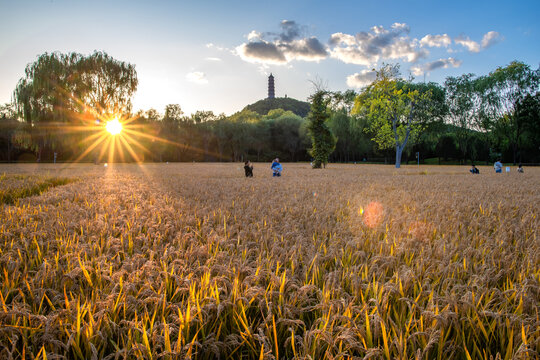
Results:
<point x="520" y="169"/>
<point x="498" y="166"/>
<point x="276" y="167"/>
<point x="248" y="168"/>
<point x="474" y="170"/>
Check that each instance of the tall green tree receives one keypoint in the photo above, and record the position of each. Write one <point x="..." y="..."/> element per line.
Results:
<point x="503" y="90"/>
<point x="286" y="134"/>
<point x="205" y="121"/>
<point x="431" y="113"/>
<point x="348" y="129"/>
<point x="233" y="134"/>
<point x="323" y="142"/>
<point x="526" y="124"/>
<point x="173" y="113"/>
<point x="393" y="108"/>
<point x="9" y="126"/>
<point x="353" y="143"/>
<point x="464" y="99"/>
<point x="202" y="116"/>
<point x="343" y="101"/>
<point x="170" y="133"/>
<point x="528" y="112"/>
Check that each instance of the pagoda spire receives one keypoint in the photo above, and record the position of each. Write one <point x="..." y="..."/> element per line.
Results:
<point x="271" y="93"/>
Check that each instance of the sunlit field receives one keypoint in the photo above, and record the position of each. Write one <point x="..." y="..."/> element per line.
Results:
<point x="176" y="261"/>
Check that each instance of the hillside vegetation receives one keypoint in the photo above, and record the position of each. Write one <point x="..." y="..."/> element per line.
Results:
<point x="262" y="107"/>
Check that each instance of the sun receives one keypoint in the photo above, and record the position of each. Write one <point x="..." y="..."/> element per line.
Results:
<point x="114" y="127"/>
<point x="117" y="135"/>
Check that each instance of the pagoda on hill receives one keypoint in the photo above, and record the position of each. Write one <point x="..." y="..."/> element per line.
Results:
<point x="271" y="93"/>
<point x="263" y="106"/>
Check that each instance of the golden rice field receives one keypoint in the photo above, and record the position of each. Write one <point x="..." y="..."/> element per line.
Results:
<point x="194" y="261"/>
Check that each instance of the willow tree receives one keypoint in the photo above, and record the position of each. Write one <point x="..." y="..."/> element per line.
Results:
<point x="105" y="85"/>
<point x="62" y="89"/>
<point x="392" y="107"/>
<point x="43" y="99"/>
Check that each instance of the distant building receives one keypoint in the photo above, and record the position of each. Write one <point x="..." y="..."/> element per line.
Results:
<point x="271" y="93"/>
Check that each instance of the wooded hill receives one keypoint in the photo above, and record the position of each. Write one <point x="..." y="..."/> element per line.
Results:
<point x="262" y="107"/>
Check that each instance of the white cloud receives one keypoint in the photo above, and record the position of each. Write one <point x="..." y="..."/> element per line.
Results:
<point x="197" y="77"/>
<point x="421" y="69"/>
<point x="436" y="40"/>
<point x="361" y="79"/>
<point x="368" y="48"/>
<point x="353" y="55"/>
<point x="401" y="26"/>
<point x="465" y="41"/>
<point x="281" y="48"/>
<point x="490" y="38"/>
<point x="213" y="59"/>
<point x="254" y="35"/>
<point x="342" y="38"/>
<point x="307" y="49"/>
<point x="214" y="46"/>
<point x="261" y="52"/>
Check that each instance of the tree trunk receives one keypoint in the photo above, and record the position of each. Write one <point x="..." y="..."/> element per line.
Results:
<point x="9" y="149"/>
<point x="206" y="146"/>
<point x="399" y="150"/>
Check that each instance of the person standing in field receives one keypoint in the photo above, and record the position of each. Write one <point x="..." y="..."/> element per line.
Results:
<point x="498" y="166"/>
<point x="248" y="168"/>
<point x="276" y="167"/>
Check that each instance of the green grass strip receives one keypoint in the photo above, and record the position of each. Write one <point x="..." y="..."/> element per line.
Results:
<point x="11" y="195"/>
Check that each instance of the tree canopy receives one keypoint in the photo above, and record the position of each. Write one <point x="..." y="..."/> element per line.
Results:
<point x="262" y="107"/>
<point x="503" y="91"/>
<point x="58" y="87"/>
<point x="392" y="106"/>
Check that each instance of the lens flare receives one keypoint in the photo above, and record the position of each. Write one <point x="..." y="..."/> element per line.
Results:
<point x="114" y="127"/>
<point x="373" y="214"/>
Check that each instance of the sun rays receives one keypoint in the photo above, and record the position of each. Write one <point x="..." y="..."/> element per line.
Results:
<point x="111" y="134"/>
<point x="114" y="127"/>
<point x="114" y="140"/>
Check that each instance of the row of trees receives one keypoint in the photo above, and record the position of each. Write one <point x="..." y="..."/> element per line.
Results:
<point x="204" y="136"/>
<point x="472" y="118"/>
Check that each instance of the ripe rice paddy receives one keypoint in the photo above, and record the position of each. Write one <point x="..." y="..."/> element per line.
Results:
<point x="176" y="261"/>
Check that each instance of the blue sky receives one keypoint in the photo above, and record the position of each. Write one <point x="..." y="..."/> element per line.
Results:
<point x="216" y="55"/>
